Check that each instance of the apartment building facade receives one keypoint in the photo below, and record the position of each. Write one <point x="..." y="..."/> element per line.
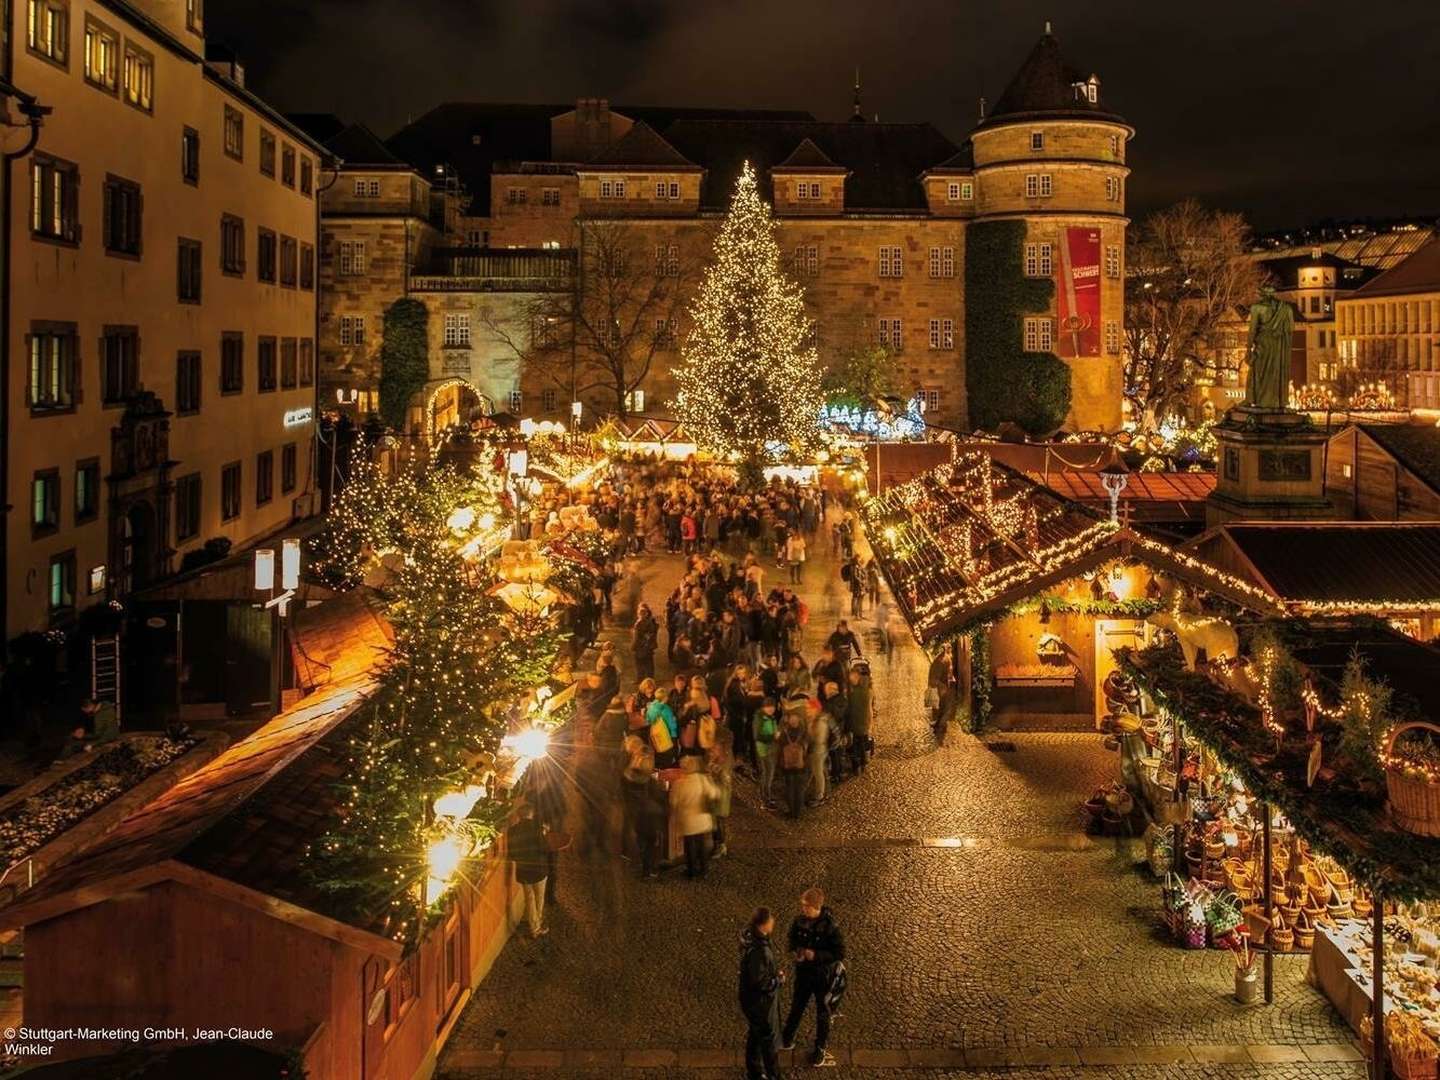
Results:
<point x="1389" y="329"/>
<point x="163" y="272"/>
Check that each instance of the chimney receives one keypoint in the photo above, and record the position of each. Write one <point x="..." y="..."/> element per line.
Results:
<point x="592" y="126"/>
<point x="222" y="60"/>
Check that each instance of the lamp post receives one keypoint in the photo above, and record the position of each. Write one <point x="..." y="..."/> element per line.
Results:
<point x="278" y="605"/>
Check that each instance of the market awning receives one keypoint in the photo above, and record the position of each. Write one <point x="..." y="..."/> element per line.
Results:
<point x="1344" y="814"/>
<point x="966" y="540"/>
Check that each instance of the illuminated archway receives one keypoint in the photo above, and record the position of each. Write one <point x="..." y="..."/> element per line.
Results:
<point x="452" y="401"/>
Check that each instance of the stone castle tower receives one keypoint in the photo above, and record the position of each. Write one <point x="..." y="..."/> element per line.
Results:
<point x="1050" y="155"/>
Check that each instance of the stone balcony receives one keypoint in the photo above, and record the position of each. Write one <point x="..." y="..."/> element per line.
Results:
<point x="497" y="270"/>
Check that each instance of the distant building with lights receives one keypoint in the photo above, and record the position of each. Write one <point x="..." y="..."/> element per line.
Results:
<point x="873" y="218"/>
<point x="1389" y="329"/>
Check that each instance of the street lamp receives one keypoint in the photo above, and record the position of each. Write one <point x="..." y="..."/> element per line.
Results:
<point x="277" y="605"/>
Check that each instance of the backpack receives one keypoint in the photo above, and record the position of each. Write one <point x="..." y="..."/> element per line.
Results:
<point x="839" y="982"/>
<point x="792" y="755"/>
<point x="660" y="735"/>
<point x="766" y="734"/>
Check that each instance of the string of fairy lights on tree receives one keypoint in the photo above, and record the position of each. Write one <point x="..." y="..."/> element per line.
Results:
<point x="749" y="373"/>
<point x="442" y="705"/>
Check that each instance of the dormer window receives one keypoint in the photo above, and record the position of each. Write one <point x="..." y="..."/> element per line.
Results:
<point x="1037" y="140"/>
<point x="1089" y="90"/>
<point x="807" y="190"/>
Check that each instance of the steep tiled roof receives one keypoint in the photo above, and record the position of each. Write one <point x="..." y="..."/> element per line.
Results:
<point x="472" y="136"/>
<point x="1044" y="87"/>
<point x="1362" y="562"/>
<point x="807" y="157"/>
<point x="357" y="146"/>
<point x="885" y="160"/>
<point x="1419" y="273"/>
<point x="642" y="146"/>
<point x="962" y="161"/>
<point x="1414" y="446"/>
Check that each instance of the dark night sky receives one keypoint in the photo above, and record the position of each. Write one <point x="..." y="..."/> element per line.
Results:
<point x="1288" y="110"/>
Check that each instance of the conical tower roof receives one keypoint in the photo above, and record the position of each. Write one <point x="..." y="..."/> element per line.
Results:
<point x="1046" y="87"/>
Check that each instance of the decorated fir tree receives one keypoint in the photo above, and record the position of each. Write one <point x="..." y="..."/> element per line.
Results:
<point x="749" y="375"/>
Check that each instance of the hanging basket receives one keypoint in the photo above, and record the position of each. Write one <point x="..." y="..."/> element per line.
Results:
<point x="1414" y="801"/>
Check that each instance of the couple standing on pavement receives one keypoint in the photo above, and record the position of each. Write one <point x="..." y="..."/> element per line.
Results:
<point x="818" y="950"/>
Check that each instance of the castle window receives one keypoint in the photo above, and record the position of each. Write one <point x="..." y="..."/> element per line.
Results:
<point x="635" y="401"/>
<point x="612" y="189"/>
<point x="1115" y="146"/>
<point x="891" y="263"/>
<point x="1112" y="260"/>
<point x="967" y="191"/>
<point x="367" y="189"/>
<point x="1037" y="140"/>
<point x="952" y="191"/>
<point x="891" y="334"/>
<point x="942" y="333"/>
<point x="457" y="330"/>
<point x="352" y="330"/>
<point x="1037" y="186"/>
<point x="1112" y="338"/>
<point x="550" y="196"/>
<point x="942" y="262"/>
<point x="806" y="262"/>
<point x="1038" y="260"/>
<point x="1112" y="188"/>
<point x="930" y="399"/>
<point x="516" y="196"/>
<point x="1039" y="334"/>
<point x="667" y="260"/>
<point x="806" y="190"/>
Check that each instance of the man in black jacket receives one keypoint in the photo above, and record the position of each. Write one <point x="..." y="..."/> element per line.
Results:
<point x="817" y="946"/>
<point x="760" y="979"/>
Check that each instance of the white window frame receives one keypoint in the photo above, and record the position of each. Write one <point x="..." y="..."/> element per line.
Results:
<point x="1115" y="146"/>
<point x="351" y="262"/>
<point x="667" y="260"/>
<point x="549" y="399"/>
<point x="952" y="191"/>
<point x="1112" y="188"/>
<point x="517" y="196"/>
<point x="967" y="190"/>
<point x="1039" y="332"/>
<point x="550" y="196"/>
<point x="517" y="401"/>
<point x="619" y="189"/>
<point x="457" y="330"/>
<point x="1112" y="260"/>
<point x="1039" y="259"/>
<point x="1112" y="338"/>
<point x="932" y="400"/>
<point x="635" y="400"/>
<point x="1038" y="185"/>
<point x="892" y="261"/>
<point x="1037" y="140"/>
<point x="942" y="261"/>
<point x="891" y="332"/>
<point x="352" y="330"/>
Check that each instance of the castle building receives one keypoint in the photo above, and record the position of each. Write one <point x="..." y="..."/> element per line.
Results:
<point x="161" y="307"/>
<point x="976" y="264"/>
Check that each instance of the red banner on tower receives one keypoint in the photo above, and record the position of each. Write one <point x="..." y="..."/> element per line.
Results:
<point x="1078" y="332"/>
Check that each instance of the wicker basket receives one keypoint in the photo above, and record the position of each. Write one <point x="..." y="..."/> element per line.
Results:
<point x="1282" y="939"/>
<point x="1413" y="1066"/>
<point x="1414" y="803"/>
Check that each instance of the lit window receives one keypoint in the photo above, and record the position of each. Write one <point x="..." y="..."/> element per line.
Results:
<point x="54" y="348"/>
<point x="967" y="191"/>
<point x="139" y="77"/>
<point x="48" y="30"/>
<point x="102" y="56"/>
<point x="54" y="198"/>
<point x="635" y="401"/>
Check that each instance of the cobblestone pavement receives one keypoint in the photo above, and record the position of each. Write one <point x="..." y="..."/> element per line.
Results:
<point x="983" y="928"/>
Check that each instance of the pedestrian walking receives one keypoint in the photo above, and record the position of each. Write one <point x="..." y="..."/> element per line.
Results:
<point x="817" y="947"/>
<point x="793" y="746"/>
<point x="766" y="728"/>
<point x="644" y="640"/>
<point x="525" y="844"/>
<point x="858" y="714"/>
<point x="795" y="555"/>
<point x="691" y="800"/>
<point x="760" y="981"/>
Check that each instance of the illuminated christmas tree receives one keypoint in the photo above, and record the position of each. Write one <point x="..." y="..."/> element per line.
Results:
<point x="749" y="376"/>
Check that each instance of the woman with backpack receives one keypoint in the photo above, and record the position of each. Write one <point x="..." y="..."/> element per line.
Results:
<point x="792" y="746"/>
<point x="664" y="729"/>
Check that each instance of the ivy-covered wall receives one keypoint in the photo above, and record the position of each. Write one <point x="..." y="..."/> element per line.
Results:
<point x="404" y="359"/>
<point x="1002" y="380"/>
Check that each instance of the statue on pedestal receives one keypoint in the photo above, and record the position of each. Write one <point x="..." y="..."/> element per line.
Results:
<point x="1271" y="322"/>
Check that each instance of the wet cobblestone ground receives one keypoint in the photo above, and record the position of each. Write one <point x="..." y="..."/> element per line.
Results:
<point x="985" y="931"/>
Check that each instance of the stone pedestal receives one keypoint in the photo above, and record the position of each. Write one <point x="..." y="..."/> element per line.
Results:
<point x="1271" y="467"/>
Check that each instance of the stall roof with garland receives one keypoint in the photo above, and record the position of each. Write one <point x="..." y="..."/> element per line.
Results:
<point x="1343" y="815"/>
<point x="961" y="543"/>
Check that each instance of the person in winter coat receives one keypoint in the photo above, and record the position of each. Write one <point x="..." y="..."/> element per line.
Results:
<point x="659" y="711"/>
<point x="691" y="798"/>
<point x="721" y="767"/>
<point x="818" y="723"/>
<point x="760" y="980"/>
<point x="858" y="713"/>
<point x="644" y="640"/>
<point x="816" y="945"/>
<point x="792" y="748"/>
<point x="765" y="728"/>
<point x="795" y="555"/>
<point x="525" y="844"/>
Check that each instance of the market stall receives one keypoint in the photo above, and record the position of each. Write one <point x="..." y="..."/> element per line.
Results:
<point x="1324" y="726"/>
